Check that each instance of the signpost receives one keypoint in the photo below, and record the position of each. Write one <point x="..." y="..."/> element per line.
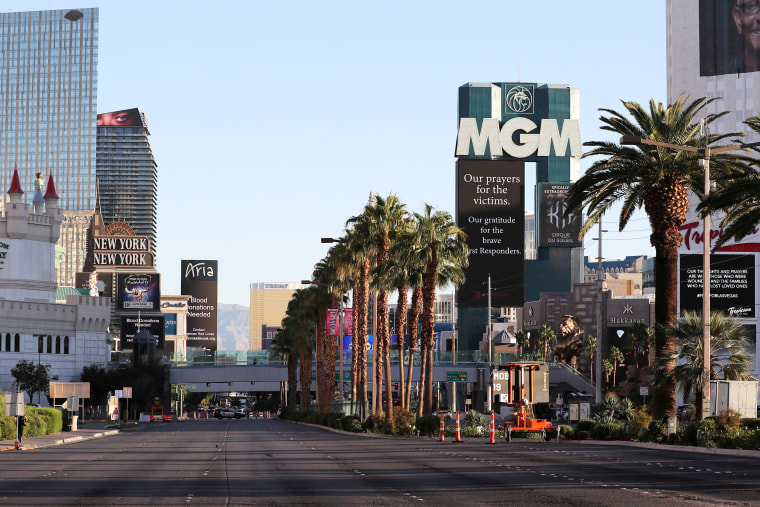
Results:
<point x="456" y="376"/>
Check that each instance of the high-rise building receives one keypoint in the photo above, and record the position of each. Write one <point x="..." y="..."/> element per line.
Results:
<point x="48" y="98"/>
<point x="127" y="174"/>
<point x="269" y="302"/>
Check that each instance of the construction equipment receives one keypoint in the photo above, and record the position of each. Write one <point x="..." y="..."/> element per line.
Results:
<point x="519" y="382"/>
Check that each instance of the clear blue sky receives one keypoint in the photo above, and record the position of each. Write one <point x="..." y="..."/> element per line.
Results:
<point x="271" y="122"/>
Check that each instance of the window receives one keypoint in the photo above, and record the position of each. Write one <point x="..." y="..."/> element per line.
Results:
<point x="8" y="342"/>
<point x="17" y="343"/>
<point x="65" y="344"/>
<point x="40" y="345"/>
<point x="49" y="344"/>
<point x="57" y="344"/>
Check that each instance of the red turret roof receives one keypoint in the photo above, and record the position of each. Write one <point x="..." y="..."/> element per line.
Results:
<point x="15" y="184"/>
<point x="50" y="192"/>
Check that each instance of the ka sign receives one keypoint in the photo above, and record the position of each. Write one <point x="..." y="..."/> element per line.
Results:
<point x="519" y="137"/>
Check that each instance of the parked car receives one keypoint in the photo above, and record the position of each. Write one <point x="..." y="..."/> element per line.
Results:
<point x="226" y="413"/>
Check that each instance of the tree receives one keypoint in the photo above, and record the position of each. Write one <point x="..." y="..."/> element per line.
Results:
<point x="655" y="178"/>
<point x="729" y="359"/>
<point x="545" y="337"/>
<point x="739" y="199"/>
<point x="100" y="383"/>
<point x="30" y="377"/>
<point x="589" y="347"/>
<point x="386" y="220"/>
<point x="615" y="356"/>
<point x="608" y="368"/>
<point x="640" y="340"/>
<point x="522" y="340"/>
<point x="442" y="246"/>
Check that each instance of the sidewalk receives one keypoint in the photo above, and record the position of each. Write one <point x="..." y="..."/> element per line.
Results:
<point x="85" y="431"/>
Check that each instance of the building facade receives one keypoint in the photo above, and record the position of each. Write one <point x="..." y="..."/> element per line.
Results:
<point x="127" y="174"/>
<point x="269" y="302"/>
<point x="48" y="87"/>
<point x="33" y="327"/>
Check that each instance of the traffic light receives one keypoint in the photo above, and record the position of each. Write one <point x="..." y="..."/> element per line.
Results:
<point x="395" y="386"/>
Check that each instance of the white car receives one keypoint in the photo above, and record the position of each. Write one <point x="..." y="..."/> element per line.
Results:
<point x="226" y="413"/>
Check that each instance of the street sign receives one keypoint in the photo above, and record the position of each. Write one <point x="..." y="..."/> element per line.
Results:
<point x="644" y="391"/>
<point x="456" y="376"/>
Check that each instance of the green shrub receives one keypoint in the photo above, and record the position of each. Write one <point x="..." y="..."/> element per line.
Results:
<point x="688" y="433"/>
<point x="428" y="425"/>
<point x="403" y="422"/>
<point x="582" y="434"/>
<point x="751" y="424"/>
<point x="707" y="433"/>
<point x="585" y="425"/>
<point x="636" y="427"/>
<point x="566" y="431"/>
<point x="473" y="418"/>
<point x="657" y="432"/>
<point x="608" y="430"/>
<point x="351" y="423"/>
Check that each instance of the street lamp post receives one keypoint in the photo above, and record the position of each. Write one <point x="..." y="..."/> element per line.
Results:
<point x="706" y="239"/>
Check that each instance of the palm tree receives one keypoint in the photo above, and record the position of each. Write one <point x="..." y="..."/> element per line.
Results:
<point x="615" y="356"/>
<point x="640" y="340"/>
<point x="655" y="178"/>
<point x="442" y="245"/>
<point x="739" y="199"/>
<point x="401" y="265"/>
<point x="385" y="219"/>
<point x="361" y="249"/>
<point x="589" y="347"/>
<point x="546" y="336"/>
<point x="522" y="340"/>
<point x="608" y="368"/>
<point x="729" y="359"/>
<point x="285" y="343"/>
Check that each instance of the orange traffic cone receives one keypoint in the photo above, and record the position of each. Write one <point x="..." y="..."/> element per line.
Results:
<point x="492" y="436"/>
<point x="441" y="438"/>
<point x="459" y="437"/>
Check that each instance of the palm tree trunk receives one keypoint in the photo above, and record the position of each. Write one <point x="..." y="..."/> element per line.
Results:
<point x="401" y="306"/>
<point x="414" y="315"/>
<point x="666" y="313"/>
<point x="292" y="400"/>
<point x="421" y="389"/>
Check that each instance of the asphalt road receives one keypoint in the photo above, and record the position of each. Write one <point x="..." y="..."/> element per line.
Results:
<point x="271" y="462"/>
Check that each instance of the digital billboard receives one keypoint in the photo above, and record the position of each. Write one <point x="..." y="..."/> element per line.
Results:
<point x="728" y="43"/>
<point x="132" y="324"/>
<point x="554" y="229"/>
<point x="490" y="195"/>
<point x="732" y="284"/>
<point x="122" y="118"/>
<point x="138" y="291"/>
<point x="199" y="281"/>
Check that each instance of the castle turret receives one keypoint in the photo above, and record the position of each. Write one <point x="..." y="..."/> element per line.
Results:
<point x="17" y="212"/>
<point x="52" y="210"/>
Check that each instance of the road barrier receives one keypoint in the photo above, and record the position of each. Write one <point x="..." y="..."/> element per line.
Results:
<point x="492" y="435"/>
<point x="459" y="435"/>
<point x="441" y="438"/>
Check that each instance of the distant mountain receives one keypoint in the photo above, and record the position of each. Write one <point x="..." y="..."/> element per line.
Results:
<point x="233" y="327"/>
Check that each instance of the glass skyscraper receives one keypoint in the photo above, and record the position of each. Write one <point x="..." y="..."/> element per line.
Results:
<point x="127" y="174"/>
<point x="48" y="109"/>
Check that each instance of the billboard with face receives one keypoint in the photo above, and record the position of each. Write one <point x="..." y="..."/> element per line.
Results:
<point x="199" y="280"/>
<point x="729" y="40"/>
<point x="138" y="292"/>
<point x="121" y="118"/>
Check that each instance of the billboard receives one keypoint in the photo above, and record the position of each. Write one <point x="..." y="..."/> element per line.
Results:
<point x="103" y="282"/>
<point x="138" y="291"/>
<point x="171" y="323"/>
<point x="727" y="40"/>
<point x="732" y="284"/>
<point x="490" y="195"/>
<point x="122" y="118"/>
<point x="199" y="281"/>
<point x="554" y="229"/>
<point x="132" y="324"/>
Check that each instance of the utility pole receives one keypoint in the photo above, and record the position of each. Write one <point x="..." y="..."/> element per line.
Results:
<point x="599" y="320"/>
<point x="489" y="391"/>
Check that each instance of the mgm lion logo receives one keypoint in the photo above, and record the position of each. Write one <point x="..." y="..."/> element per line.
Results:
<point x="569" y="341"/>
